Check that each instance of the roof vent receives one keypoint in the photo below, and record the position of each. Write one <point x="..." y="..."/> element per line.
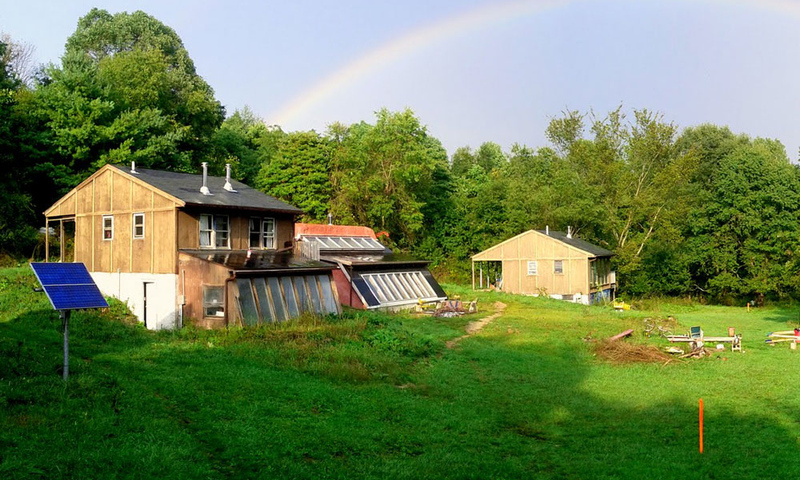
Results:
<point x="228" y="185"/>
<point x="569" y="232"/>
<point x="204" y="189"/>
<point x="547" y="230"/>
<point x="330" y="218"/>
<point x="133" y="168"/>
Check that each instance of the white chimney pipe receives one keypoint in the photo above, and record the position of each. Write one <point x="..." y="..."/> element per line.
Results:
<point x="204" y="189"/>
<point x="330" y="219"/>
<point x="547" y="230"/>
<point x="228" y="185"/>
<point x="569" y="232"/>
<point x="133" y="168"/>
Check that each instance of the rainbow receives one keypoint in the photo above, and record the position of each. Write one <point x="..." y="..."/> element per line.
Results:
<point x="463" y="23"/>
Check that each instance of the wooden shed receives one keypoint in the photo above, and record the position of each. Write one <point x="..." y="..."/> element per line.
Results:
<point x="547" y="262"/>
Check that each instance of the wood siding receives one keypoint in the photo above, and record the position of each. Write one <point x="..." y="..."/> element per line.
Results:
<point x="515" y="254"/>
<point x="189" y="227"/>
<point x="109" y="192"/>
<point x="193" y="275"/>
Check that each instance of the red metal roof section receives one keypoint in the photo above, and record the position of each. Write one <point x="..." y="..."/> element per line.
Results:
<point x="333" y="230"/>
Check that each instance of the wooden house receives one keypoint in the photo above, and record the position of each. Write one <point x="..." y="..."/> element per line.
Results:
<point x="368" y="275"/>
<point x="546" y="262"/>
<point x="178" y="246"/>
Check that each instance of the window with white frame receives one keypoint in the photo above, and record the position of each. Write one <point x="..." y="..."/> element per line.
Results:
<point x="268" y="232"/>
<point x="213" y="301"/>
<point x="533" y="267"/>
<point x="558" y="267"/>
<point x="108" y="227"/>
<point x="214" y="231"/>
<point x="138" y="225"/>
<point x="262" y="233"/>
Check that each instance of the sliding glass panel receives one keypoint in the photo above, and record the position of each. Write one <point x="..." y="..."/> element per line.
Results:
<point x="263" y="300"/>
<point x="423" y="284"/>
<point x="327" y="293"/>
<point x="247" y="303"/>
<point x="401" y="283"/>
<point x="288" y="293"/>
<point x="313" y="291"/>
<point x="303" y="302"/>
<point x="378" y="288"/>
<point x="392" y="284"/>
<point x="387" y="280"/>
<point x="277" y="299"/>
<point x="412" y="285"/>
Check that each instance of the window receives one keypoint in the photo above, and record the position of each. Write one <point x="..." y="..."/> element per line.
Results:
<point x="214" y="231"/>
<point x="533" y="267"/>
<point x="558" y="267"/>
<point x="108" y="227"/>
<point x="269" y="232"/>
<point x="262" y="233"/>
<point x="138" y="225"/>
<point x="213" y="301"/>
<point x="221" y="231"/>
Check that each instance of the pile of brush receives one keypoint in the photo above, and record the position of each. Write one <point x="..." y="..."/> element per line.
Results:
<point x="624" y="352"/>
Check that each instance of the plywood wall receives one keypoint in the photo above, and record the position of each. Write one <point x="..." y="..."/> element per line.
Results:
<point x="112" y="193"/>
<point x="516" y="252"/>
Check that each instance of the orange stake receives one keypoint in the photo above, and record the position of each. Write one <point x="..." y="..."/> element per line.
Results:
<point x="701" y="425"/>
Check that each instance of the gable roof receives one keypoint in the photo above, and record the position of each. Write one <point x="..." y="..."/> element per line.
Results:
<point x="590" y="249"/>
<point x="579" y="244"/>
<point x="186" y="187"/>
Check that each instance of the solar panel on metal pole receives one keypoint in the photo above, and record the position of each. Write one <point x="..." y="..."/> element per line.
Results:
<point x="68" y="287"/>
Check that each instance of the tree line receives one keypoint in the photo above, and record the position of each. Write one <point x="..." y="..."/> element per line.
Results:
<point x="701" y="211"/>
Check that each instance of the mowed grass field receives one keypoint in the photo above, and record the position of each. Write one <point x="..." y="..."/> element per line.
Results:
<point x="371" y="395"/>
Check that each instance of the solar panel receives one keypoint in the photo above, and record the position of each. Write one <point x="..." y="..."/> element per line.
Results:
<point x="69" y="286"/>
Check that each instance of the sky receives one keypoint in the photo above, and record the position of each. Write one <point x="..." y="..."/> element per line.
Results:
<point x="476" y="70"/>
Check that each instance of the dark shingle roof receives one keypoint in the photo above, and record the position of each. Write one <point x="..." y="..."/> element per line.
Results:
<point x="186" y="187"/>
<point x="580" y="244"/>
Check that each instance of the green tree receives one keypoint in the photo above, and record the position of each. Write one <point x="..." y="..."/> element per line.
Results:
<point x="16" y="214"/>
<point x="300" y="173"/>
<point x="128" y="91"/>
<point x="382" y="173"/>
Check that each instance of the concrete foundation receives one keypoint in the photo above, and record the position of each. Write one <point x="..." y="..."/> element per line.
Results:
<point x="163" y="310"/>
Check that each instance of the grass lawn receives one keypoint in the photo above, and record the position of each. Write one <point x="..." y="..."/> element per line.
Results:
<point x="372" y="395"/>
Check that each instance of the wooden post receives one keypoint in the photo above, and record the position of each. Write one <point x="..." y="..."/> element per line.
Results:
<point x="480" y="266"/>
<point x="473" y="274"/>
<point x="46" y="240"/>
<point x="61" y="239"/>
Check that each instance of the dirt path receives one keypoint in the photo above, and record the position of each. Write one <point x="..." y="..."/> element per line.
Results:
<point x="476" y="326"/>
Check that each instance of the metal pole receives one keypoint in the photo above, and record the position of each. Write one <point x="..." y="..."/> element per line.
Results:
<point x="65" y="318"/>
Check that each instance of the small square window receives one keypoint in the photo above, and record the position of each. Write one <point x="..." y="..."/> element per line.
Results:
<point x="533" y="267"/>
<point x="558" y="266"/>
<point x="108" y="227"/>
<point x="213" y="301"/>
<point x="138" y="225"/>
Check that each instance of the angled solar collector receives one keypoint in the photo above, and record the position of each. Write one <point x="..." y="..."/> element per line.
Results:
<point x="68" y="286"/>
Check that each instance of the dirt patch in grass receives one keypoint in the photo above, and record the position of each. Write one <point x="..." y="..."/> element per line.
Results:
<point x="476" y="326"/>
<point x="626" y="352"/>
